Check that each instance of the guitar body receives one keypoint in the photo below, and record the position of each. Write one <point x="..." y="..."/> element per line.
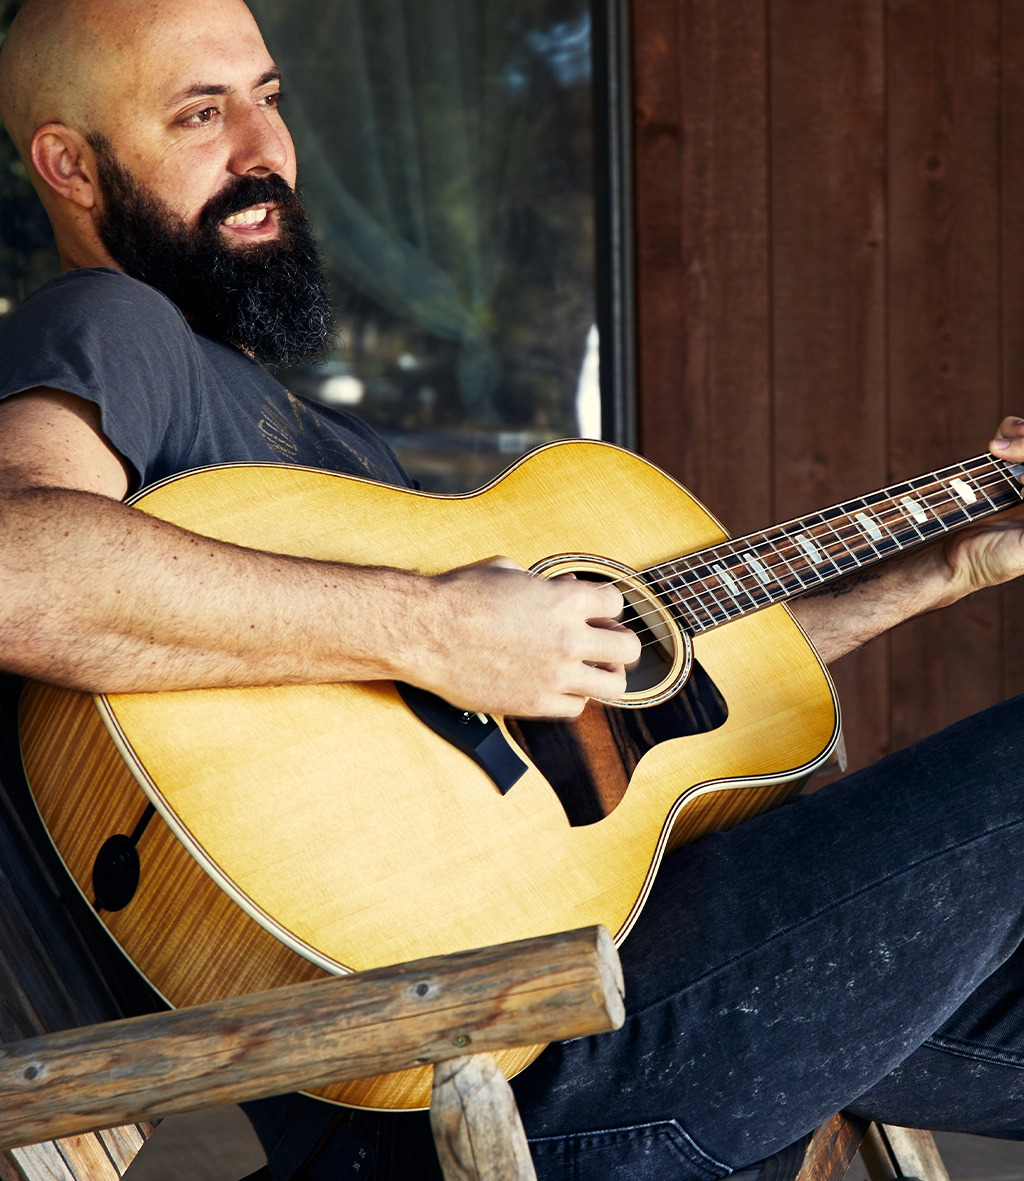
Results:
<point x="301" y="831"/>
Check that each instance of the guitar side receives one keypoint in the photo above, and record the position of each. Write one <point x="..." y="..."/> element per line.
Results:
<point x="326" y="829"/>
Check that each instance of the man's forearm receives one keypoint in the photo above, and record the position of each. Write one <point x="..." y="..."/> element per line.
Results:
<point x="100" y="596"/>
<point x="843" y="615"/>
<point x="840" y="617"/>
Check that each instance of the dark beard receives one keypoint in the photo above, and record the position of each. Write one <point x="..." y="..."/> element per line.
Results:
<point x="268" y="299"/>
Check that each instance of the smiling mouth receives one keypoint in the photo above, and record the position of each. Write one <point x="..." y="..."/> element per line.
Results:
<point x="248" y="217"/>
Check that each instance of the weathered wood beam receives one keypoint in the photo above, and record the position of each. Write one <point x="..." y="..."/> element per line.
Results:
<point x="477" y="1130"/>
<point x="535" y="991"/>
<point x="910" y="1153"/>
<point x="832" y="1149"/>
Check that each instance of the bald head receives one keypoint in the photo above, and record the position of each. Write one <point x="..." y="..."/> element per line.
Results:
<point x="65" y="61"/>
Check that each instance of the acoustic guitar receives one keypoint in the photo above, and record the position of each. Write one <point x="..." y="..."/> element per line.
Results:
<point x="239" y="839"/>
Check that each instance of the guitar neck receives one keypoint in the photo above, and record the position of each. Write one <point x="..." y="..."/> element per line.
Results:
<point x="744" y="574"/>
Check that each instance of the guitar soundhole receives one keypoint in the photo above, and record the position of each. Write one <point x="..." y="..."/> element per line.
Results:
<point x="654" y="667"/>
<point x="589" y="761"/>
<point x="665" y="652"/>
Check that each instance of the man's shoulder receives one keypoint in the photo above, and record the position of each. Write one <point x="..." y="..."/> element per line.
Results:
<point x="95" y="322"/>
<point x="99" y="335"/>
<point x="92" y="292"/>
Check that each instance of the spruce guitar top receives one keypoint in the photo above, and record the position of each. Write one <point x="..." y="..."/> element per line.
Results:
<point x="234" y="840"/>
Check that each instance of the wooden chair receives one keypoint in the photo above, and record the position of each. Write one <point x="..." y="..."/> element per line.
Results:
<point x="888" y="1153"/>
<point x="117" y="1075"/>
<point x="56" y="1088"/>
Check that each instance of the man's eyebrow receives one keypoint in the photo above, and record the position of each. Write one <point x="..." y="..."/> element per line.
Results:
<point x="202" y="89"/>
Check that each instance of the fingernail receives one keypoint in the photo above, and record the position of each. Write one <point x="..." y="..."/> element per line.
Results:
<point x="1000" y="444"/>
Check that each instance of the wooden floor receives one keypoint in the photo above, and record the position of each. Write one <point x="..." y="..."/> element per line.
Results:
<point x="214" y="1145"/>
<point x="971" y="1158"/>
<point x="219" y="1145"/>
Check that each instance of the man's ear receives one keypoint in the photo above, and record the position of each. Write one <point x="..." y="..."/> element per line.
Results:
<point x="62" y="158"/>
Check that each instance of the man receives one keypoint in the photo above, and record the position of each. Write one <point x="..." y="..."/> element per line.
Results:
<point x="811" y="960"/>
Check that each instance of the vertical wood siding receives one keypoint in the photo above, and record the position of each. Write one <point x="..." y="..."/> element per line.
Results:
<point x="830" y="253"/>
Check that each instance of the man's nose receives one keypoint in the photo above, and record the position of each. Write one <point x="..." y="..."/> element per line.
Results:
<point x="261" y="145"/>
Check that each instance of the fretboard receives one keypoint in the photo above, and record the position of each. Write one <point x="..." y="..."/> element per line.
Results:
<point x="745" y="574"/>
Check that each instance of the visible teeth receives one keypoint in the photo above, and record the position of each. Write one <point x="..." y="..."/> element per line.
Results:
<point x="248" y="217"/>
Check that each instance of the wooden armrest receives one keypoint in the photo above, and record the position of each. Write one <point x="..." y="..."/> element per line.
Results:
<point x="306" y="1035"/>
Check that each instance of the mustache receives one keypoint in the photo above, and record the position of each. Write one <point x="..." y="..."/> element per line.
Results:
<point x="243" y="193"/>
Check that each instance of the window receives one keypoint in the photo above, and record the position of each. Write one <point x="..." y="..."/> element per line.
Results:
<point x="462" y="164"/>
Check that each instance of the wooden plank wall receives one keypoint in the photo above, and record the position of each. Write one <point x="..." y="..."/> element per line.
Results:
<point x="830" y="252"/>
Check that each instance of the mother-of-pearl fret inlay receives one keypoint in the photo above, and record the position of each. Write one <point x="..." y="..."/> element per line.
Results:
<point x="809" y="548"/>
<point x="869" y="526"/>
<point x="726" y="579"/>
<point x="964" y="491"/>
<point x="915" y="509"/>
<point x="760" y="572"/>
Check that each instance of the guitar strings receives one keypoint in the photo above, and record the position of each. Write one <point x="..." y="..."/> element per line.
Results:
<point x="844" y="547"/>
<point x="799" y="569"/>
<point x="720" y="609"/>
<point x="855" y="550"/>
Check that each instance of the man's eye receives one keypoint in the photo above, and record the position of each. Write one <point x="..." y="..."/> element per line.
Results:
<point x="273" y="100"/>
<point x="206" y="115"/>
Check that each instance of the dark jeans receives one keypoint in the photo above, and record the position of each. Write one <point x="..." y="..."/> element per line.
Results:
<point x="857" y="948"/>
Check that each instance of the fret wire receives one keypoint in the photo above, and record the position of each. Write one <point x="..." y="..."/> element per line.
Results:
<point x="950" y="513"/>
<point x="698" y="600"/>
<point x="723" y="583"/>
<point x="889" y="538"/>
<point x="716" y="612"/>
<point x="762" y="589"/>
<point x="837" y="534"/>
<point x="817" y="522"/>
<point x="1008" y="489"/>
<point x="934" y="497"/>
<point x="738" y="572"/>
<point x="773" y="546"/>
<point x="758" y="575"/>
<point x="803" y="569"/>
<point x="862" y="545"/>
<point x="903" y="518"/>
<point x="978" y="484"/>
<point x="784" y="582"/>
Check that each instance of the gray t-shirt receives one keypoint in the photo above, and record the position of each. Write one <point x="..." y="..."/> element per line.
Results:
<point x="170" y="399"/>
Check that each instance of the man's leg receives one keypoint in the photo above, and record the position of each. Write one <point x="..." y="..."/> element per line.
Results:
<point x="783" y="970"/>
<point x="978" y="1054"/>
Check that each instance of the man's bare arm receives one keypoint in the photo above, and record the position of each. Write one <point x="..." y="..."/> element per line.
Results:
<point x="98" y="596"/>
<point x="846" y="614"/>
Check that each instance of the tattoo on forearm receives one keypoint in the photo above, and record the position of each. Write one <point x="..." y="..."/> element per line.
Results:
<point x="844" y="586"/>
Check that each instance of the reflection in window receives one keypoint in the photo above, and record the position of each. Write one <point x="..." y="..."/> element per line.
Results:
<point x="446" y="151"/>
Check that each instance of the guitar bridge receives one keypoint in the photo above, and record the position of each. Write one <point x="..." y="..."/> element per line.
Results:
<point x="476" y="735"/>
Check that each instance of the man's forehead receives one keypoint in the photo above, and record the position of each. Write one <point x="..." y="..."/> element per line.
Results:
<point x="77" y="61"/>
<point x="191" y="53"/>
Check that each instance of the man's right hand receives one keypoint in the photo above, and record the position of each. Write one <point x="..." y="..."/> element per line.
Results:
<point x="502" y="641"/>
